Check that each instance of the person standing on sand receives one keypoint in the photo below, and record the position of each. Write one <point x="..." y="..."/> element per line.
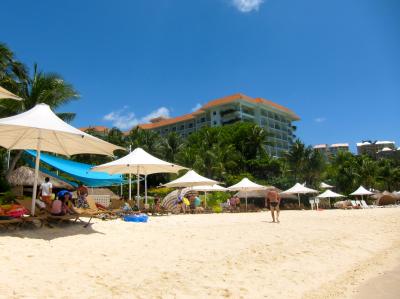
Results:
<point x="274" y="200"/>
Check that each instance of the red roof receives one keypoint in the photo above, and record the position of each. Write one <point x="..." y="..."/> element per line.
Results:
<point x="166" y="122"/>
<point x="101" y="129"/>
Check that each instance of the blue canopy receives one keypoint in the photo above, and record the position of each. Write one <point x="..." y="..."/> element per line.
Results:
<point x="80" y="171"/>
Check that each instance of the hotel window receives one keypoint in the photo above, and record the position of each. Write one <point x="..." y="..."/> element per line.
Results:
<point x="174" y="129"/>
<point x="203" y="119"/>
<point x="214" y="112"/>
<point x="190" y="125"/>
<point x="182" y="127"/>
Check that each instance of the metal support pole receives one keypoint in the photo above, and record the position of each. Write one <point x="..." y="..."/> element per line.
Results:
<point x="138" y="186"/>
<point x="145" y="189"/>
<point x="35" y="182"/>
<point x="8" y="159"/>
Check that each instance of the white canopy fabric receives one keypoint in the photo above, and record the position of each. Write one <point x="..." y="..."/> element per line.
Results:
<point x="325" y="186"/>
<point x="361" y="191"/>
<point x="211" y="188"/>
<point x="246" y="185"/>
<point x="190" y="179"/>
<point x="41" y="130"/>
<point x="23" y="131"/>
<point x="138" y="162"/>
<point x="330" y="194"/>
<point x="5" y="94"/>
<point x="299" y="189"/>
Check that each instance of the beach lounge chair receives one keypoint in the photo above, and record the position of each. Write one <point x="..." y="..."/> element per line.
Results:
<point x="359" y="204"/>
<point x="44" y="216"/>
<point x="6" y="222"/>
<point x="364" y="205"/>
<point x="353" y="204"/>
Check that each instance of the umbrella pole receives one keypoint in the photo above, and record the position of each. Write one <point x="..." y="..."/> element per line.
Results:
<point x="130" y="178"/>
<point x="138" y="186"/>
<point x="145" y="189"/>
<point x="246" y="199"/>
<point x="205" y="199"/>
<point x="35" y="182"/>
<point x="130" y="186"/>
<point x="298" y="197"/>
<point x="8" y="159"/>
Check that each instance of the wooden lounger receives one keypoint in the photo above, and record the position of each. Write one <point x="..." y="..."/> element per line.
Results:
<point x="6" y="223"/>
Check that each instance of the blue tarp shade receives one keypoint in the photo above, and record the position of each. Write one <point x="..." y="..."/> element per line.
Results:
<point x="54" y="175"/>
<point x="80" y="171"/>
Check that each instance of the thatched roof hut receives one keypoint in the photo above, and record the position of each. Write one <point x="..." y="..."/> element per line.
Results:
<point x="24" y="176"/>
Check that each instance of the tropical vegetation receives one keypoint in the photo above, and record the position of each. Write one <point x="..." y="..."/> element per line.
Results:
<point x="226" y="153"/>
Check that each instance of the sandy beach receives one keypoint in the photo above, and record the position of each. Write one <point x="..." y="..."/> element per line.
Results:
<point x="327" y="254"/>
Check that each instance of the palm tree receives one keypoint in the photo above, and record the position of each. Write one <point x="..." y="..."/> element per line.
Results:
<point x="171" y="146"/>
<point x="48" y="88"/>
<point x="148" y="140"/>
<point x="296" y="157"/>
<point x="12" y="72"/>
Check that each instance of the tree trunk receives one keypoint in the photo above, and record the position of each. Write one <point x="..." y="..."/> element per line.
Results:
<point x="13" y="163"/>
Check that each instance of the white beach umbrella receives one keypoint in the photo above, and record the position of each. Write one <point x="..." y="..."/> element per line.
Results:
<point x="210" y="188"/>
<point x="330" y="194"/>
<point x="138" y="162"/>
<point x="361" y="191"/>
<point x="190" y="179"/>
<point x="246" y="185"/>
<point x="299" y="189"/>
<point x="325" y="186"/>
<point x="5" y="94"/>
<point x="41" y="130"/>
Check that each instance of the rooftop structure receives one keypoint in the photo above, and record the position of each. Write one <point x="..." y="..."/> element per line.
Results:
<point x="228" y="110"/>
<point x="372" y="148"/>
<point x="332" y="149"/>
<point x="101" y="130"/>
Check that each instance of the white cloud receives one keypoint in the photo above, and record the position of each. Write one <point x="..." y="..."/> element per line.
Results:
<point x="124" y="119"/>
<point x="197" y="107"/>
<point x="162" y="111"/>
<point x="320" y="119"/>
<point x="247" y="5"/>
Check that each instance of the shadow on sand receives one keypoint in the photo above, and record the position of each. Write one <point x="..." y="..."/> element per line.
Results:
<point x="47" y="233"/>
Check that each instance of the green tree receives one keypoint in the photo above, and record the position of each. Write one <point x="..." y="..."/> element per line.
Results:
<point x="48" y="88"/>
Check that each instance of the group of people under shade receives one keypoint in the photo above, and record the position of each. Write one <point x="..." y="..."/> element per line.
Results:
<point x="189" y="204"/>
<point x="62" y="204"/>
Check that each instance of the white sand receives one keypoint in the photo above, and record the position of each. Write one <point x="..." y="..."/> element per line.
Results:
<point x="309" y="254"/>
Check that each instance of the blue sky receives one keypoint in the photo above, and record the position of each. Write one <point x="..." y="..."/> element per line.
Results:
<point x="335" y="63"/>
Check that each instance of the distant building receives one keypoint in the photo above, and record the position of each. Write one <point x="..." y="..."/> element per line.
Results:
<point x="231" y="109"/>
<point x="333" y="149"/>
<point x="371" y="148"/>
<point x="100" y="130"/>
<point x="322" y="148"/>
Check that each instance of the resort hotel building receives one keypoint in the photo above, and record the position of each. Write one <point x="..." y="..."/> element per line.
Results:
<point x="333" y="149"/>
<point x="375" y="148"/>
<point x="276" y="119"/>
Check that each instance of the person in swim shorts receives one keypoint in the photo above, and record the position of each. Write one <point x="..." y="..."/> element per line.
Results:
<point x="274" y="200"/>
